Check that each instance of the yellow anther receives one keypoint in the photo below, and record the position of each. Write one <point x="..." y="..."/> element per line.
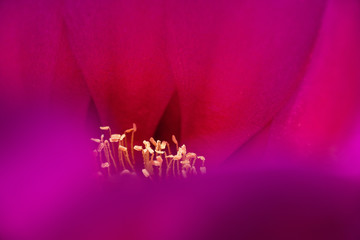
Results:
<point x="95" y="140"/>
<point x="183" y="149"/>
<point x="105" y="165"/>
<point x="174" y="139"/>
<point x="150" y="150"/>
<point x="152" y="140"/>
<point x="115" y="136"/>
<point x="122" y="148"/>
<point x="191" y="155"/>
<point x="177" y="157"/>
<point x="183" y="164"/>
<point x="122" y="137"/>
<point x="156" y="163"/>
<point x="145" y="172"/>
<point x="146" y="143"/>
<point x="138" y="148"/>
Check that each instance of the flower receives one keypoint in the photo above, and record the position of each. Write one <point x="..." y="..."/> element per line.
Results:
<point x="249" y="84"/>
<point x="214" y="74"/>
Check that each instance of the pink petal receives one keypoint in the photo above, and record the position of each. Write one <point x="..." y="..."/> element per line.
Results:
<point x="319" y="119"/>
<point x="121" y="48"/>
<point x="236" y="64"/>
<point x="37" y="68"/>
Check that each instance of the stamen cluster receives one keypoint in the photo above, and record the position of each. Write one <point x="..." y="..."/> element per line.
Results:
<point x="114" y="157"/>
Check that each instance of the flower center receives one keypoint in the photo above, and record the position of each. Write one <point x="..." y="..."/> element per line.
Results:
<point x="115" y="155"/>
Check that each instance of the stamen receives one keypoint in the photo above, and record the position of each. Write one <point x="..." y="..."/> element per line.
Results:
<point x="138" y="148"/>
<point x="150" y="150"/>
<point x="168" y="147"/>
<point x="176" y="142"/>
<point x="169" y="165"/>
<point x="107" y="145"/>
<point x="156" y="163"/>
<point x="100" y="147"/>
<point x="132" y="131"/>
<point x="191" y="155"/>
<point x="183" y="149"/>
<point x="106" y="128"/>
<point x="202" y="168"/>
<point x="163" y="145"/>
<point x="146" y="143"/>
<point x="158" y="143"/>
<point x="177" y="157"/>
<point x="107" y="156"/>
<point x="178" y="167"/>
<point x="115" y="137"/>
<point x="105" y="165"/>
<point x="173" y="168"/>
<point x="132" y="142"/>
<point x="125" y="141"/>
<point x="120" y="156"/>
<point x="146" y="173"/>
<point x="160" y="160"/>
<point x="152" y="140"/>
<point x="124" y="149"/>
<point x="183" y="164"/>
<point x="122" y="137"/>
<point x="202" y="159"/>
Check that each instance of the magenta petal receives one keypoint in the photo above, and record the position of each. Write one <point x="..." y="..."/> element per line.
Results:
<point x="322" y="115"/>
<point x="37" y="67"/>
<point x="236" y="65"/>
<point x="121" y="48"/>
